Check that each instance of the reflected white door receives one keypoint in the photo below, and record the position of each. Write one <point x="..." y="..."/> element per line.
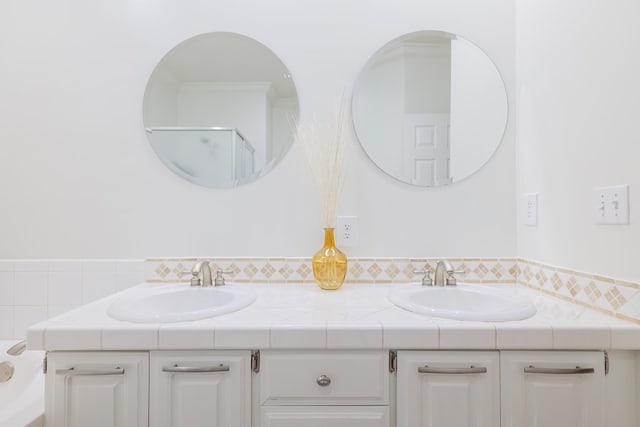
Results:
<point x="426" y="149"/>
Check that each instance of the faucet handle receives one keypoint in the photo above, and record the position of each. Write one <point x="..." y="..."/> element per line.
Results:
<point x="219" y="280"/>
<point x="195" y="278"/>
<point x="451" y="279"/>
<point x="426" y="279"/>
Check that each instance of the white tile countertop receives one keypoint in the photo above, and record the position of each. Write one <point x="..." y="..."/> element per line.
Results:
<point x="357" y="316"/>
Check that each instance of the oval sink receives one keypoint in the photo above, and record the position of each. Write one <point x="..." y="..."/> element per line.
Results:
<point x="463" y="302"/>
<point x="178" y="303"/>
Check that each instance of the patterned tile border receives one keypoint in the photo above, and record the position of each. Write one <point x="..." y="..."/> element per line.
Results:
<point x="360" y="270"/>
<point x="617" y="298"/>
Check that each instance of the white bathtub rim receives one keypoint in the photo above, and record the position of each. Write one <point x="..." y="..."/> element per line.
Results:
<point x="22" y="407"/>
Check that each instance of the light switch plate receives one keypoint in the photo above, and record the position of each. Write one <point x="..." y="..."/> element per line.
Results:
<point x="611" y="204"/>
<point x="530" y="208"/>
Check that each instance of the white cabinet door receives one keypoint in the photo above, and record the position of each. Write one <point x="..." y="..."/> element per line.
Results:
<point x="552" y="389"/>
<point x="448" y="389"/>
<point x="200" y="388"/>
<point x="107" y="389"/>
<point x="324" y="416"/>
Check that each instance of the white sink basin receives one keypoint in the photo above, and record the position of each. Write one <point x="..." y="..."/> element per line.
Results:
<point x="177" y="303"/>
<point x="463" y="302"/>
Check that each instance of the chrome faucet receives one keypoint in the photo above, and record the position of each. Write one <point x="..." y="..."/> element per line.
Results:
<point x="201" y="275"/>
<point x="201" y="269"/>
<point x="444" y="275"/>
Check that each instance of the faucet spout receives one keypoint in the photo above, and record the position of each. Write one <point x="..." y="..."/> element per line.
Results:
<point x="443" y="269"/>
<point x="202" y="269"/>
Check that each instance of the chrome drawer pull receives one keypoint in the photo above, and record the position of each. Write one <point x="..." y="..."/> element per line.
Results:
<point x="562" y="371"/>
<point x="87" y="372"/>
<point x="323" y="380"/>
<point x="190" y="369"/>
<point x="471" y="370"/>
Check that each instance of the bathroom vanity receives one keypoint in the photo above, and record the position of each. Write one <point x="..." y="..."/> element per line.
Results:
<point x="302" y="356"/>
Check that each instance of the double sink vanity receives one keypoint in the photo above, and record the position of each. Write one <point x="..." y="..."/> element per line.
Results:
<point x="291" y="354"/>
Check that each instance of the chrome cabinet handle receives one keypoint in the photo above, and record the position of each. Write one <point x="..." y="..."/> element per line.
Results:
<point x="87" y="372"/>
<point x="561" y="371"/>
<point x="191" y="369"/>
<point x="323" y="380"/>
<point x="455" y="371"/>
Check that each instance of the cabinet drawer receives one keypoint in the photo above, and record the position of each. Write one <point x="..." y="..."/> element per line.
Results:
<point x="324" y="378"/>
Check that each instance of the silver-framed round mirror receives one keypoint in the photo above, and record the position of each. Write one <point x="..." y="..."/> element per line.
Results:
<point x="429" y="108"/>
<point x="219" y="110"/>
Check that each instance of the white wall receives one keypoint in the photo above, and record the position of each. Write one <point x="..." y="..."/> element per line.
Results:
<point x="578" y="107"/>
<point x="78" y="178"/>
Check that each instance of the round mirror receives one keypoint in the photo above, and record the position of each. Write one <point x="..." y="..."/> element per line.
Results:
<point x="429" y="108"/>
<point x="219" y="110"/>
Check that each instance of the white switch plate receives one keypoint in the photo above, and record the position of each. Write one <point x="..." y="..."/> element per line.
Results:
<point x="611" y="204"/>
<point x="346" y="231"/>
<point x="530" y="208"/>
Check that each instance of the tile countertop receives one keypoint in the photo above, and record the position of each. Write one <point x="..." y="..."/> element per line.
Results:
<point x="357" y="316"/>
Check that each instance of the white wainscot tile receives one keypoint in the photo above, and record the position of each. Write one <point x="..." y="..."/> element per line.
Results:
<point x="124" y="280"/>
<point x="72" y="337"/>
<point x="30" y="288"/>
<point x="7" y="265"/>
<point x="6" y="287"/>
<point x="130" y="337"/>
<point x="65" y="288"/>
<point x="99" y="266"/>
<point x="299" y="336"/>
<point x="55" y="310"/>
<point x="130" y="266"/>
<point x="65" y="266"/>
<point x="96" y="285"/>
<point x="6" y="323"/>
<point x="520" y="335"/>
<point x="25" y="316"/>
<point x="581" y="337"/>
<point x="186" y="336"/>
<point x="31" y="265"/>
<point x="354" y="335"/>
<point x="238" y="336"/>
<point x="467" y="335"/>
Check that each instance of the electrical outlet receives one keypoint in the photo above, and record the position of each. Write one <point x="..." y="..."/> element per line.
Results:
<point x="347" y="231"/>
<point x="611" y="205"/>
<point x="530" y="209"/>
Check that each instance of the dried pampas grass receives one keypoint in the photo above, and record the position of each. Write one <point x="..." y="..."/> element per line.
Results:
<point x="323" y="147"/>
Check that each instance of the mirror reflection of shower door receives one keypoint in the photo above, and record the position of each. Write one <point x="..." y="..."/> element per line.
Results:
<point x="426" y="149"/>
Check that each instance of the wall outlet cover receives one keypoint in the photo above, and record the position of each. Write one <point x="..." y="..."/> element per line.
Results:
<point x="346" y="231"/>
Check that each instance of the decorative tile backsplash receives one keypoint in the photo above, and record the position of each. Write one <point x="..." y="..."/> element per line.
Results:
<point x="360" y="270"/>
<point x="33" y="290"/>
<point x="618" y="298"/>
